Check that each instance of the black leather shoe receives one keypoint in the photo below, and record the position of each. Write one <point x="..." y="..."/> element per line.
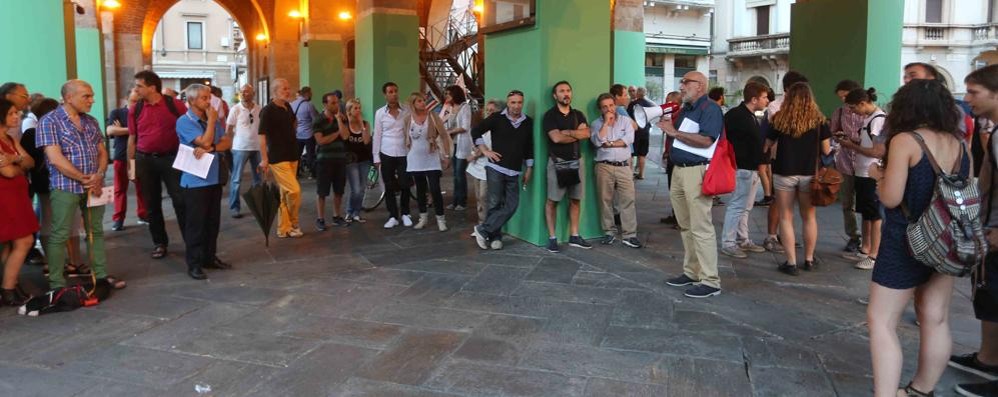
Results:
<point x="197" y="274"/>
<point x="218" y="264"/>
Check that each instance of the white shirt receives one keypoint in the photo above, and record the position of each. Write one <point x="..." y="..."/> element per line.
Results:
<point x="477" y="167"/>
<point x="245" y="132"/>
<point x="869" y="137"/>
<point x="388" y="135"/>
<point x="30" y="121"/>
<point x="463" y="140"/>
<point x="420" y="158"/>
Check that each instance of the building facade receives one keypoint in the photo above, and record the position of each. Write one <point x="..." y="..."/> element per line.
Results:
<point x="677" y="39"/>
<point x="752" y="40"/>
<point x="197" y="41"/>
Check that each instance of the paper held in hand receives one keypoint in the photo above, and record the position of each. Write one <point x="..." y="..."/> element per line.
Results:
<point x="186" y="162"/>
<point x="106" y="197"/>
<point x="692" y="127"/>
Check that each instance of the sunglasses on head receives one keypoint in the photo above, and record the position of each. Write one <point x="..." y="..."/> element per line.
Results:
<point x="514" y="92"/>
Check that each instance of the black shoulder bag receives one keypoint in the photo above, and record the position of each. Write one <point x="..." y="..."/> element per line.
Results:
<point x="567" y="170"/>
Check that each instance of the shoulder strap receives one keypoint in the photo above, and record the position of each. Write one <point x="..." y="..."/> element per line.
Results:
<point x="869" y="133"/>
<point x="170" y="104"/>
<point x="135" y="119"/>
<point x="932" y="159"/>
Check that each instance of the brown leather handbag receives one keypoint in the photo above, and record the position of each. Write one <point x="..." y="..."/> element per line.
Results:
<point x="826" y="182"/>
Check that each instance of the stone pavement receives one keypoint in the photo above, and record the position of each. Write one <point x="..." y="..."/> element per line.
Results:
<point x="362" y="311"/>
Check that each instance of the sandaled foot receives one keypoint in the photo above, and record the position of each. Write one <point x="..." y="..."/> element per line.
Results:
<point x="77" y="270"/>
<point x="115" y="282"/>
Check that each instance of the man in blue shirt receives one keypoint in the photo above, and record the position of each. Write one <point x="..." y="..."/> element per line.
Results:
<point x="306" y="116"/>
<point x="201" y="129"/>
<point x="704" y="121"/>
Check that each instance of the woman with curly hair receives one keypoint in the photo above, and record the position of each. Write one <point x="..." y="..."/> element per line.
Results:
<point x="922" y="112"/>
<point x="429" y="148"/>
<point x="800" y="131"/>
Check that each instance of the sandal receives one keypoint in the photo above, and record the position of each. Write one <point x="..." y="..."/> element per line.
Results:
<point x="76" y="270"/>
<point x="159" y="252"/>
<point x="115" y="282"/>
<point x="13" y="297"/>
<point x="912" y="392"/>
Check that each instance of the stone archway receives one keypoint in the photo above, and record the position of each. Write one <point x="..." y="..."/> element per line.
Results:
<point x="135" y="25"/>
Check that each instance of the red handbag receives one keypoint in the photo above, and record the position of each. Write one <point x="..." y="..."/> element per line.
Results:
<point x="720" y="176"/>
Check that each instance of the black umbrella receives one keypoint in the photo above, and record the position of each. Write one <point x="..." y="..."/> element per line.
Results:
<point x="264" y="200"/>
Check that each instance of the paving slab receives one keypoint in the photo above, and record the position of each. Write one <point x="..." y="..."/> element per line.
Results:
<point x="413" y="358"/>
<point x="484" y="380"/>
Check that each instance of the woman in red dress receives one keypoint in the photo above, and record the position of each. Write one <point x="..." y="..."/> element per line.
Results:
<point x="17" y="219"/>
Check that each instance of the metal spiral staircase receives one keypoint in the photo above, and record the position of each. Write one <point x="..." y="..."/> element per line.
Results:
<point x="449" y="51"/>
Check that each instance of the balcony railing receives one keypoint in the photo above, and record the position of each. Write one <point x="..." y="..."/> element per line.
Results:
<point x="759" y="45"/>
<point x="200" y="57"/>
<point x="951" y="35"/>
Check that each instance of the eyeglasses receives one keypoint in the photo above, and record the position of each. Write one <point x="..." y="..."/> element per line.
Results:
<point x="687" y="81"/>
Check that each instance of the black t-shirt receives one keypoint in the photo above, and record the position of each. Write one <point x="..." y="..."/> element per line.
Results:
<point x="277" y="123"/>
<point x="120" y="142"/>
<point x="38" y="176"/>
<point x="359" y="152"/>
<point x="555" y="120"/>
<point x="743" y="132"/>
<point x="797" y="156"/>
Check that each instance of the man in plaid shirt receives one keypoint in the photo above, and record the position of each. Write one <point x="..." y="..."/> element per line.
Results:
<point x="77" y="161"/>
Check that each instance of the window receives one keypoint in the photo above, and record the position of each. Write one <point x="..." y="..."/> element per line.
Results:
<point x="933" y="11"/>
<point x="195" y="36"/>
<point x="762" y="20"/>
<point x="499" y="15"/>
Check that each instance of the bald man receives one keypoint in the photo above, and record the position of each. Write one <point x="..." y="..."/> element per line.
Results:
<point x="76" y="172"/>
<point x="243" y="125"/>
<point x="698" y="127"/>
<point x="279" y="153"/>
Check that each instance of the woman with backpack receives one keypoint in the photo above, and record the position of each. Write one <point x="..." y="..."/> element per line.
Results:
<point x="800" y="131"/>
<point x="868" y="151"/>
<point x="922" y="129"/>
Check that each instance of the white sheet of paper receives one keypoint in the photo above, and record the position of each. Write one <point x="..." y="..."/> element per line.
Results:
<point x="106" y="197"/>
<point x="187" y="163"/>
<point x="692" y="127"/>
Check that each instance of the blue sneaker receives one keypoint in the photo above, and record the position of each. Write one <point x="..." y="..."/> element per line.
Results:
<point x="553" y="245"/>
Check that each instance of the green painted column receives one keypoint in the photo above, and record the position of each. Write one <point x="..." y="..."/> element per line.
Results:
<point x="90" y="68"/>
<point x="35" y="27"/>
<point x="321" y="63"/>
<point x="387" y="49"/>
<point x="864" y="35"/>
<point x="532" y="59"/>
<point x="629" y="42"/>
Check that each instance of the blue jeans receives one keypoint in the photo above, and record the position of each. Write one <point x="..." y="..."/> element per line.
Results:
<point x="460" y="181"/>
<point x="737" y="211"/>
<point x="357" y="179"/>
<point x="239" y="159"/>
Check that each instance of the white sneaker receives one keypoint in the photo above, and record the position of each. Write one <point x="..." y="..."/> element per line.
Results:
<point x="480" y="240"/>
<point x="406" y="221"/>
<point x="441" y="223"/>
<point x="422" y="222"/>
<point x="392" y="222"/>
<point x="295" y="233"/>
<point x="854" y="256"/>
<point x="866" y="264"/>
<point x="357" y="218"/>
<point x="496" y="244"/>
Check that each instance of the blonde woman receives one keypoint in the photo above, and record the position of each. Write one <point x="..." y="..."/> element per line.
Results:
<point x="801" y="131"/>
<point x="358" y="158"/>
<point x="429" y="151"/>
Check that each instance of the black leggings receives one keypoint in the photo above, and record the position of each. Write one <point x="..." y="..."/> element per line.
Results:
<point x="433" y="177"/>
<point x="396" y="180"/>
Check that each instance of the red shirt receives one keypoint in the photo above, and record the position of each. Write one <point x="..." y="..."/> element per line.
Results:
<point x="157" y="126"/>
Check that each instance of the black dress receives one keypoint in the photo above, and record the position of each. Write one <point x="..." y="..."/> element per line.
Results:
<point x="895" y="267"/>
